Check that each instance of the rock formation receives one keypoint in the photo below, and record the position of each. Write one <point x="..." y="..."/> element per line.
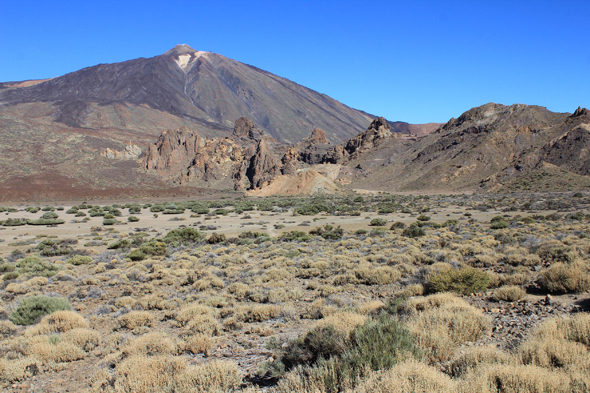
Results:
<point x="131" y="152"/>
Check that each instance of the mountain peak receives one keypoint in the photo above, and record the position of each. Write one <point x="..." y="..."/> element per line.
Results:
<point x="181" y="49"/>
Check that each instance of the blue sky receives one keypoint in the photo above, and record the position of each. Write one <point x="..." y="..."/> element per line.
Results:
<point x="415" y="61"/>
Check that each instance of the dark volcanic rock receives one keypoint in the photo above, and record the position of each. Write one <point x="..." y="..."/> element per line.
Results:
<point x="263" y="166"/>
<point x="581" y="112"/>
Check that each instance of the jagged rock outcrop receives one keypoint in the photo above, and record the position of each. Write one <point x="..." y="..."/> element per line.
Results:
<point x="317" y="136"/>
<point x="171" y="152"/>
<point x="581" y="112"/>
<point x="245" y="128"/>
<point x="377" y="133"/>
<point x="263" y="166"/>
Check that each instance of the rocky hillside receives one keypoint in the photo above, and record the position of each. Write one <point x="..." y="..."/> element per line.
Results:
<point x="487" y="149"/>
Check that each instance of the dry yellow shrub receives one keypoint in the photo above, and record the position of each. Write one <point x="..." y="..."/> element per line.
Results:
<point x="442" y="323"/>
<point x="344" y="322"/>
<point x="409" y="376"/>
<point x="199" y="343"/>
<point x="475" y="356"/>
<point x="125" y="301"/>
<point x="7" y="329"/>
<point x="151" y="344"/>
<point x="84" y="339"/>
<point x="58" y="322"/>
<point x="238" y="289"/>
<point x="135" y="319"/>
<point x="141" y="374"/>
<point x="215" y="376"/>
<point x="369" y="275"/>
<point x="576" y="328"/>
<point x="46" y="351"/>
<point x="552" y="353"/>
<point x="18" y="369"/>
<point x="188" y="313"/>
<point x="257" y="313"/>
<point x="515" y="379"/>
<point x="509" y="293"/>
<point x="370" y="307"/>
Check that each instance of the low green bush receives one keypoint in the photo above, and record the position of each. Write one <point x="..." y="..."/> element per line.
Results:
<point x="77" y="260"/>
<point x="154" y="247"/>
<point x="136" y="255"/>
<point x="378" y="222"/>
<point x="52" y="248"/>
<point x="183" y="236"/>
<point x="294" y="236"/>
<point x="422" y="217"/>
<point x="328" y="232"/>
<point x="119" y="244"/>
<point x="132" y="219"/>
<point x="414" y="231"/>
<point x="464" y="281"/>
<point x="33" y="265"/>
<point x="14" y="222"/>
<point x="397" y="225"/>
<point x="32" y="308"/>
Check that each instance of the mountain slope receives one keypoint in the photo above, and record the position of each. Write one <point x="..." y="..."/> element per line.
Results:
<point x="204" y="88"/>
<point x="488" y="148"/>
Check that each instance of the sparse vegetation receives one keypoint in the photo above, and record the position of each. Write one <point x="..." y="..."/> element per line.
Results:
<point x="342" y="304"/>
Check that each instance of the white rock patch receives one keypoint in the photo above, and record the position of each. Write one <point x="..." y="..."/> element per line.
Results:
<point x="183" y="61"/>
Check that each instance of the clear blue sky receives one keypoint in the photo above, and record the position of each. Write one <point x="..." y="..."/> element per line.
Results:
<point x="416" y="61"/>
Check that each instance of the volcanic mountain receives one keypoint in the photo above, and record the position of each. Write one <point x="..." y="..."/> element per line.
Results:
<point x="203" y="88"/>
<point x="54" y="131"/>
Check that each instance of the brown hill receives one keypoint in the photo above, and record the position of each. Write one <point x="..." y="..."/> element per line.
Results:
<point x="487" y="148"/>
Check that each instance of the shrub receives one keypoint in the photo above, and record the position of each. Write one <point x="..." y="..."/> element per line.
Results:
<point x="79" y="260"/>
<point x="136" y="255"/>
<point x="183" y="236"/>
<point x="51" y="248"/>
<point x="397" y="225"/>
<point x="58" y="322"/>
<point x="35" y="266"/>
<point x="509" y="293"/>
<point x="216" y="238"/>
<point x="499" y="224"/>
<point x="320" y="342"/>
<point x="119" y="244"/>
<point x="564" y="278"/>
<point x="132" y="219"/>
<point x="409" y="376"/>
<point x="135" y="319"/>
<point x="414" y="231"/>
<point x="378" y="222"/>
<point x="422" y="217"/>
<point x="380" y="344"/>
<point x="154" y="247"/>
<point x="328" y="232"/>
<point x="14" y="222"/>
<point x="34" y="307"/>
<point x="464" y="281"/>
<point x="378" y="232"/>
<point x="294" y="236"/>
<point x="109" y="221"/>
